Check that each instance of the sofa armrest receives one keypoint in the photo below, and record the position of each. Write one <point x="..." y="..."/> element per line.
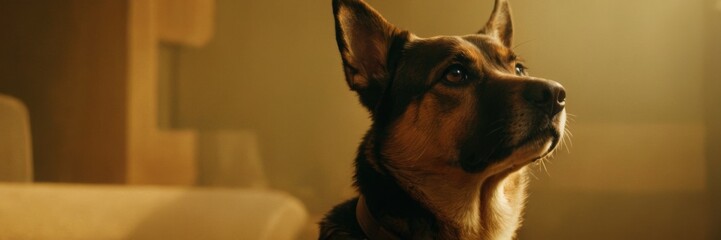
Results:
<point x="15" y="142"/>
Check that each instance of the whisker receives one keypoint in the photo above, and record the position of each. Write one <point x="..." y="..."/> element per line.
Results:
<point x="543" y="163"/>
<point x="568" y="136"/>
<point x="571" y="117"/>
<point x="493" y="131"/>
<point x="496" y="129"/>
<point x="523" y="43"/>
<point x="534" y="175"/>
<point x="493" y="150"/>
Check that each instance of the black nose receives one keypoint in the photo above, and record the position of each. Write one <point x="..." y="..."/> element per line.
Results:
<point x="547" y="95"/>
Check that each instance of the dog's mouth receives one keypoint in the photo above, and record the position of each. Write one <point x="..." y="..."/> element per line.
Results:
<point x="537" y="144"/>
<point x="543" y="141"/>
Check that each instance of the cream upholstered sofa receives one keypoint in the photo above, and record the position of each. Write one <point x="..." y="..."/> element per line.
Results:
<point x="15" y="152"/>
<point x="66" y="211"/>
<point x="46" y="211"/>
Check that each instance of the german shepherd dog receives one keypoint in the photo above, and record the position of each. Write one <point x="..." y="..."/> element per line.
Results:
<point x="456" y="120"/>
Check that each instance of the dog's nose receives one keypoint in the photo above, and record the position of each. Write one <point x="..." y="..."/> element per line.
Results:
<point x="547" y="95"/>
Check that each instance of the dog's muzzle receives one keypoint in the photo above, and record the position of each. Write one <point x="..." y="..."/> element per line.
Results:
<point x="535" y="121"/>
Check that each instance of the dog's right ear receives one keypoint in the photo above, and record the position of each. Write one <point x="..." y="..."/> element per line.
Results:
<point x="364" y="38"/>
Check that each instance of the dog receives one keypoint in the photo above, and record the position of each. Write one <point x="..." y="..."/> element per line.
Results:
<point x="456" y="120"/>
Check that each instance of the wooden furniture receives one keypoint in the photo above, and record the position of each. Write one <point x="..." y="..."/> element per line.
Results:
<point x="87" y="70"/>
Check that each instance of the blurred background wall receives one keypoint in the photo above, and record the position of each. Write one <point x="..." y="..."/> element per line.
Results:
<point x="642" y="76"/>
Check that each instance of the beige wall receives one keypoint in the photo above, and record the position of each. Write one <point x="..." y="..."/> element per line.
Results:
<point x="272" y="68"/>
<point x="636" y="73"/>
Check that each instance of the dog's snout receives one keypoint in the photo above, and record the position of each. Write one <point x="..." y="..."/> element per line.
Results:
<point x="547" y="95"/>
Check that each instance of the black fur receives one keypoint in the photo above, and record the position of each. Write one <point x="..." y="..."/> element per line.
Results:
<point x="384" y="197"/>
<point x="391" y="72"/>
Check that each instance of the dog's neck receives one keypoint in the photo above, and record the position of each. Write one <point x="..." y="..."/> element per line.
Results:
<point x="441" y="205"/>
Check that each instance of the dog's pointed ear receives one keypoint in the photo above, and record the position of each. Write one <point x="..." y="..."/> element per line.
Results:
<point x="500" y="25"/>
<point x="364" y="38"/>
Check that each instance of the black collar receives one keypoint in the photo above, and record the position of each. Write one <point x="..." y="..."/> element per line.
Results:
<point x="372" y="229"/>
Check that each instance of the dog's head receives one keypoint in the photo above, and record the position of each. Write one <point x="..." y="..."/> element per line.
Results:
<point x="448" y="102"/>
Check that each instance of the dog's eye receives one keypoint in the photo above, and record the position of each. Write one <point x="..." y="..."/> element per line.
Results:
<point x="455" y="74"/>
<point x="520" y="69"/>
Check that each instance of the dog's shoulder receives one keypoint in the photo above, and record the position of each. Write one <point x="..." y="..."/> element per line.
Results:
<point x="341" y="223"/>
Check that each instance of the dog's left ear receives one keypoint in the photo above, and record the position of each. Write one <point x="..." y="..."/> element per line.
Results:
<point x="500" y="25"/>
<point x="364" y="39"/>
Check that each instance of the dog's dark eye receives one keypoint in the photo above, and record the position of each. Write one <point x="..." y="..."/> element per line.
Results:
<point x="455" y="74"/>
<point x="520" y="69"/>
